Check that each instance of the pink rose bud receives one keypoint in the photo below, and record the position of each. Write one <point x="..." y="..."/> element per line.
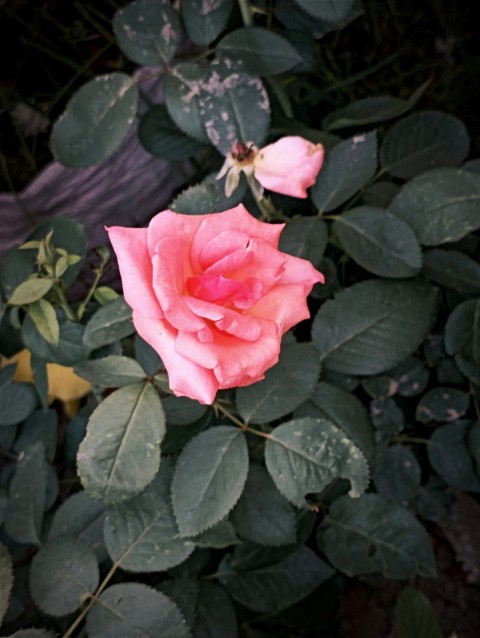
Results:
<point x="213" y="295"/>
<point x="289" y="166"/>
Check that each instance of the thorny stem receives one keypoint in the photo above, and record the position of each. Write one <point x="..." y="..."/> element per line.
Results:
<point x="282" y="96"/>
<point x="404" y="438"/>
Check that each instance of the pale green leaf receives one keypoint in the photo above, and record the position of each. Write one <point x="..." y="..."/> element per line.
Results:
<point x="30" y="291"/>
<point x="43" y="314"/>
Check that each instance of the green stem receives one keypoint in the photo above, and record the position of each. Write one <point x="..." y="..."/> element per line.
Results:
<point x="64" y="303"/>
<point x="243" y="426"/>
<point x="83" y="305"/>
<point x="92" y="601"/>
<point x="246" y="11"/>
<point x="268" y="210"/>
<point x="282" y="96"/>
<point x="404" y="438"/>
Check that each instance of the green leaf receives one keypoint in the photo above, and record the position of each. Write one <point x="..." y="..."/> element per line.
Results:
<point x="442" y="404"/>
<point x="379" y="242"/>
<point x="27" y="492"/>
<point x="141" y="534"/>
<point x="373" y="534"/>
<point x="182" y="410"/>
<point x="95" y="121"/>
<point x="396" y="474"/>
<point x="109" y="324"/>
<point x="274" y="587"/>
<point x="6" y="578"/>
<point x="182" y="88"/>
<point x="218" y="459"/>
<point x="120" y="454"/>
<point x="207" y="197"/>
<point x="286" y="386"/>
<point x="233" y="106"/>
<point x="219" y="536"/>
<point x="473" y="442"/>
<point x="423" y="141"/>
<point x="346" y="412"/>
<point x="67" y="352"/>
<point x="18" y="401"/>
<point x="262" y="514"/>
<point x="113" y="371"/>
<point x="371" y="110"/>
<point x="452" y="269"/>
<point x="262" y="52"/>
<point x="305" y="237"/>
<point x="30" y="291"/>
<point x="41" y="426"/>
<point x="414" y="616"/>
<point x="382" y="322"/>
<point x="32" y="632"/>
<point x="306" y="455"/>
<point x="347" y="168"/>
<point x="160" y="136"/>
<point x="136" y="611"/>
<point x="460" y="326"/>
<point x="215" y="614"/>
<point x="15" y="267"/>
<point x="45" y="319"/>
<point x="333" y="11"/>
<point x="83" y="518"/>
<point x="63" y="575"/>
<point x="148" y="32"/>
<point x="204" y="21"/>
<point x="450" y="456"/>
<point x="440" y="205"/>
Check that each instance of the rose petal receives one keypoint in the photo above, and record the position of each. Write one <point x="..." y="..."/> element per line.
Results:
<point x="299" y="270"/>
<point x="289" y="166"/>
<point x="233" y="359"/>
<point x="168" y="285"/>
<point x="286" y="315"/>
<point x="235" y="323"/>
<point x="185" y="377"/>
<point x="238" y="219"/>
<point x="170" y="224"/>
<point x="130" y="246"/>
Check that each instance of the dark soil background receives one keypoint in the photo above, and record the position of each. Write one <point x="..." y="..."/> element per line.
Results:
<point x="49" y="48"/>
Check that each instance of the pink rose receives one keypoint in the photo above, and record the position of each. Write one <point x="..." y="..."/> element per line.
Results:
<point x="213" y="295"/>
<point x="288" y="166"/>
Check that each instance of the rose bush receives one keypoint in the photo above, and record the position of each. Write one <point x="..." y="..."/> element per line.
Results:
<point x="213" y="295"/>
<point x="288" y="166"/>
